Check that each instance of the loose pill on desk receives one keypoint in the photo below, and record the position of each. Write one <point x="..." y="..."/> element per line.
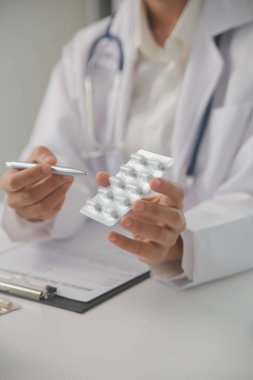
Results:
<point x="128" y="185"/>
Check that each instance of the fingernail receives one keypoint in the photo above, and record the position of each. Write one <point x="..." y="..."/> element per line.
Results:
<point x="156" y="183"/>
<point x="67" y="178"/>
<point x="112" y="237"/>
<point x="140" y="206"/>
<point x="46" y="169"/>
<point x="127" y="222"/>
<point x="48" y="158"/>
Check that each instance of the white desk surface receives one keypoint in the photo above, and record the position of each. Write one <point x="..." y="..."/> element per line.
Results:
<point x="149" y="332"/>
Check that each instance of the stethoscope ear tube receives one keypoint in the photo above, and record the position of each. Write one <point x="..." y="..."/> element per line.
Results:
<point x="93" y="57"/>
<point x="107" y="35"/>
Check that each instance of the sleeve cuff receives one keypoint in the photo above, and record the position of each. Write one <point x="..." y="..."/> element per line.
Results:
<point x="178" y="274"/>
<point x="19" y="229"/>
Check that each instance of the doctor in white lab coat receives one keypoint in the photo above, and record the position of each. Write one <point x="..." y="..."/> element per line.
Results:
<point x="190" y="237"/>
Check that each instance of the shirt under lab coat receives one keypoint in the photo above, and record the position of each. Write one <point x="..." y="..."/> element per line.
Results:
<point x="219" y="206"/>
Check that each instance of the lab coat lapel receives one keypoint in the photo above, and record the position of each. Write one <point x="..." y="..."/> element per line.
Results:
<point x="202" y="75"/>
<point x="123" y="27"/>
<point x="201" y="78"/>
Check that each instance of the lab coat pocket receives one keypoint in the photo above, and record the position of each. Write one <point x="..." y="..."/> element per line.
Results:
<point x="226" y="132"/>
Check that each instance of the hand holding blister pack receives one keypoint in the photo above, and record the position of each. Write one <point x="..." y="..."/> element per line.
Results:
<point x="128" y="185"/>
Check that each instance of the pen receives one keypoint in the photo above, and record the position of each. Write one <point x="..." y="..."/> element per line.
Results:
<point x="55" y="169"/>
<point x="35" y="293"/>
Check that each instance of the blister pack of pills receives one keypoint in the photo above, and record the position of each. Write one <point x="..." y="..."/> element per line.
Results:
<point x="6" y="306"/>
<point x="128" y="185"/>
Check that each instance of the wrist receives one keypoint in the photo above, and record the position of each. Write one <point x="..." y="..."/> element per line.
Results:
<point x="176" y="251"/>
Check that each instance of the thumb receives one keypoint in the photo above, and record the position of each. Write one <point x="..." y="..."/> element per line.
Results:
<point x="41" y="154"/>
<point x="102" y="179"/>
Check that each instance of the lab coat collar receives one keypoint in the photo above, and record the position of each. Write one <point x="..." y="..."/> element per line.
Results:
<point x="220" y="16"/>
<point x="217" y="17"/>
<point x="203" y="72"/>
<point x="124" y="28"/>
<point x="123" y="25"/>
<point x="182" y="34"/>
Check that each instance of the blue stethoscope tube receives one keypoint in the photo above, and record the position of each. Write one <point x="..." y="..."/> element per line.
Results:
<point x="109" y="37"/>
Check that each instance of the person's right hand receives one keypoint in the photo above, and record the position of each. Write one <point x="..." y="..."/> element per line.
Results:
<point x="35" y="193"/>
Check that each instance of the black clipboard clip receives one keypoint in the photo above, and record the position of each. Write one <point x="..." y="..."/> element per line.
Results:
<point x="35" y="293"/>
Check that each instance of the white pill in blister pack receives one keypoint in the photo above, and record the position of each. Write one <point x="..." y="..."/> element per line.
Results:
<point x="128" y="185"/>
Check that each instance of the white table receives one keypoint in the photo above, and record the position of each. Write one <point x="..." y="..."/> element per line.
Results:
<point x="149" y="332"/>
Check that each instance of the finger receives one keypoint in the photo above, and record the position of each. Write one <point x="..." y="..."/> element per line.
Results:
<point x="148" y="251"/>
<point x="52" y="213"/>
<point x="174" y="192"/>
<point x="14" y="180"/>
<point x="42" y="154"/>
<point x="34" y="194"/>
<point x="159" y="214"/>
<point x="102" y="179"/>
<point x="46" y="205"/>
<point x="155" y="233"/>
<point x="55" y="210"/>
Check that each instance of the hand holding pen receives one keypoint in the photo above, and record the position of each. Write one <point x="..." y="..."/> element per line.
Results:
<point x="35" y="193"/>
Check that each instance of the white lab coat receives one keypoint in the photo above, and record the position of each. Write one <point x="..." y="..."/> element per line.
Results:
<point x="219" y="207"/>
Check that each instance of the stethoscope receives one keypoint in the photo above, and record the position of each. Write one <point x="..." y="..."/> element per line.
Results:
<point x="99" y="149"/>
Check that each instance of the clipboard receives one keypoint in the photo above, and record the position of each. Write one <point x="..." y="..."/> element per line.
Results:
<point x="67" y="303"/>
<point x="81" y="307"/>
<point x="94" y="236"/>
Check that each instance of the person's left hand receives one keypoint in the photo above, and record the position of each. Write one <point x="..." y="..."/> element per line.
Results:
<point x="156" y="223"/>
